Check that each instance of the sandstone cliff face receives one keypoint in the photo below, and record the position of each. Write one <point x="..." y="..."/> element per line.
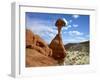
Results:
<point x="57" y="47"/>
<point x="36" y="42"/>
<point x="37" y="51"/>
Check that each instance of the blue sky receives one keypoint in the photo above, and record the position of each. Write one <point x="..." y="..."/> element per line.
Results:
<point x="43" y="24"/>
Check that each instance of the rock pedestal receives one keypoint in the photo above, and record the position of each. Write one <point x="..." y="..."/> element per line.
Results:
<point x="58" y="50"/>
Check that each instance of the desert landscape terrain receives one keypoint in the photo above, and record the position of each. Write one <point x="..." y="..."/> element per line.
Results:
<point x="38" y="53"/>
<point x="77" y="53"/>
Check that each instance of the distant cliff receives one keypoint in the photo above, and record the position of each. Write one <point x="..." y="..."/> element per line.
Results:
<point x="82" y="46"/>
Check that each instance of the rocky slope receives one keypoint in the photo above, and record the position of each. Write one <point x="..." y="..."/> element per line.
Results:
<point x="78" y="46"/>
<point x="37" y="51"/>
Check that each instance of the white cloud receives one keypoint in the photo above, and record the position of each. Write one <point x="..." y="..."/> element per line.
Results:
<point x="43" y="30"/>
<point x="75" y="16"/>
<point x="70" y="21"/>
<point x="74" y="40"/>
<point x="87" y="36"/>
<point x="69" y="26"/>
<point x="75" y="25"/>
<point x="75" y="33"/>
<point x="80" y="38"/>
<point x="66" y="28"/>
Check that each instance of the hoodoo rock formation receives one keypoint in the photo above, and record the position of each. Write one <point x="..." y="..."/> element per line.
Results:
<point x="56" y="44"/>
